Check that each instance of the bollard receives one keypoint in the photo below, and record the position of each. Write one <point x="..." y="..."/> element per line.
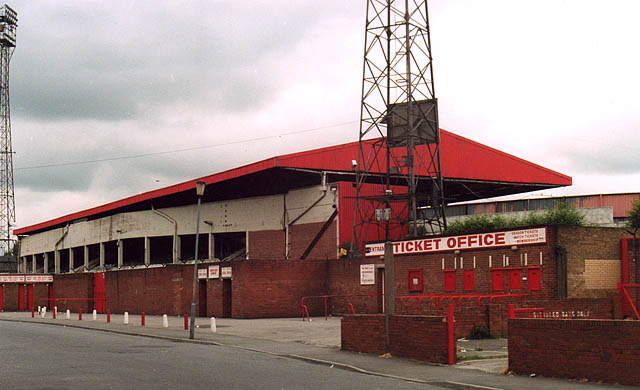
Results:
<point x="44" y="312"/>
<point x="68" y="314"/>
<point x="126" y="318"/>
<point x="95" y="315"/>
<point x="213" y="325"/>
<point x="108" y="316"/>
<point x="142" y="318"/>
<point x="79" y="314"/>
<point x="54" y="312"/>
<point x="186" y="322"/>
<point x="33" y="313"/>
<point x="165" y="321"/>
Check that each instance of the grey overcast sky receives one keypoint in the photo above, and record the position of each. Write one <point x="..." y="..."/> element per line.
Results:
<point x="236" y="81"/>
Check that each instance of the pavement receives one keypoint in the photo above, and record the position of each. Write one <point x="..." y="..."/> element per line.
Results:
<point x="482" y="363"/>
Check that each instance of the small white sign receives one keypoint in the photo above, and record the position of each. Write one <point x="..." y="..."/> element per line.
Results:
<point x="367" y="274"/>
<point x="11" y="278"/>
<point x="226" y="272"/>
<point x="214" y="271"/>
<point x="202" y="273"/>
<point x="39" y="278"/>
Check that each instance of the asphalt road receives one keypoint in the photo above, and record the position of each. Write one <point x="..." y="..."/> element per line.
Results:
<point x="40" y="356"/>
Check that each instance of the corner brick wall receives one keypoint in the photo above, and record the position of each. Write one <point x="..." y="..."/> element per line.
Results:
<point x="363" y="333"/>
<point x="416" y="337"/>
<point x="599" y="350"/>
<point x="419" y="337"/>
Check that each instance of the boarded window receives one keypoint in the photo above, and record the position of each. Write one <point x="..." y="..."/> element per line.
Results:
<point x="515" y="279"/>
<point x="533" y="278"/>
<point x="497" y="280"/>
<point x="450" y="280"/>
<point x="468" y="281"/>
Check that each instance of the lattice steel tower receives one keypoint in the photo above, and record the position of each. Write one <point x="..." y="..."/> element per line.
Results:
<point x="399" y="180"/>
<point x="8" y="27"/>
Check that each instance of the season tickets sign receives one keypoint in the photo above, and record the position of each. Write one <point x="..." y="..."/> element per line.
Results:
<point x="469" y="241"/>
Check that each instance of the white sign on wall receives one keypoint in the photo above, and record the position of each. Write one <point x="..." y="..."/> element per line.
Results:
<point x="214" y="271"/>
<point x="367" y="274"/>
<point x="202" y="273"/>
<point x="11" y="278"/>
<point x="469" y="241"/>
<point x="226" y="272"/>
<point x="39" y="278"/>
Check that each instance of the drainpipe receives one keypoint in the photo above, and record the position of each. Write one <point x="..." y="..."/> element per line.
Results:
<point x="175" y="231"/>
<point x="285" y="217"/>
<point x="66" y="231"/>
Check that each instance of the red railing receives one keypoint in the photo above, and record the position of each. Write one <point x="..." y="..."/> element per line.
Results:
<point x="512" y="310"/>
<point x="325" y="298"/>
<point x="626" y="297"/>
<point x="458" y="299"/>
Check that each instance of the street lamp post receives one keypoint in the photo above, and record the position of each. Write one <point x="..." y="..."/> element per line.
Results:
<point x="200" y="185"/>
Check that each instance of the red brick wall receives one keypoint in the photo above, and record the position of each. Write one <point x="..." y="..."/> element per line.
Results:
<point x="267" y="244"/>
<point x="416" y="337"/>
<point x="163" y="290"/>
<point x="433" y="274"/>
<point x="599" y="350"/>
<point x="270" y="244"/>
<point x="344" y="285"/>
<point x="10" y="297"/>
<point x="268" y="288"/>
<point x="578" y="308"/>
<point x="72" y="286"/>
<point x="419" y="337"/>
<point x="303" y="234"/>
<point x="363" y="333"/>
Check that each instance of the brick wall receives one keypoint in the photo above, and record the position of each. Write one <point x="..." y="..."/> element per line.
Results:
<point x="416" y="337"/>
<point x="73" y="286"/>
<point x="269" y="288"/>
<point x="589" y="243"/>
<point x="568" y="308"/>
<point x="270" y="244"/>
<point x="363" y="333"/>
<point x="598" y="350"/>
<point x="10" y="297"/>
<point x="344" y="283"/>
<point x="164" y="290"/>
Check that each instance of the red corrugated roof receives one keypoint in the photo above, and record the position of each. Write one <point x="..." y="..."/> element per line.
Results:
<point x="461" y="158"/>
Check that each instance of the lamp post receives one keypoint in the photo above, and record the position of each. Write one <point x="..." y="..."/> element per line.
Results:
<point x="200" y="185"/>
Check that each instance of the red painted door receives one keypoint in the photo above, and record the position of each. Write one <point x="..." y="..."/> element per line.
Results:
<point x="1" y="297"/>
<point x="99" y="297"/>
<point x="30" y="297"/>
<point x="21" y="297"/>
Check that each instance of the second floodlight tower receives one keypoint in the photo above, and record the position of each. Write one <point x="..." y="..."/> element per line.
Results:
<point x="399" y="185"/>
